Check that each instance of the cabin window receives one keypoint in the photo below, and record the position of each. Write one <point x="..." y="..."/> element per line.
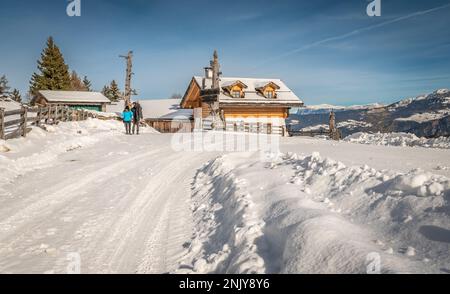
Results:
<point x="236" y="94"/>
<point x="269" y="94"/>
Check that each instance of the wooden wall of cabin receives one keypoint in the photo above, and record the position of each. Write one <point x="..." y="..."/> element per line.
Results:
<point x="192" y="96"/>
<point x="167" y="126"/>
<point x="258" y="112"/>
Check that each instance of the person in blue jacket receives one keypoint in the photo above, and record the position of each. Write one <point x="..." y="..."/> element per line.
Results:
<point x="127" y="116"/>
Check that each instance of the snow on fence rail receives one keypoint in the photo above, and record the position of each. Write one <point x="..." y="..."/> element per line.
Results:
<point x="14" y="123"/>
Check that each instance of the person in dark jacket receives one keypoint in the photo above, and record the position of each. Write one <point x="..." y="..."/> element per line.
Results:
<point x="137" y="116"/>
<point x="127" y="116"/>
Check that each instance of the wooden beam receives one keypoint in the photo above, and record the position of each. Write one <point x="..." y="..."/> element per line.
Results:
<point x="12" y="122"/>
<point x="23" y="117"/>
<point x="2" y="123"/>
<point x="13" y="112"/>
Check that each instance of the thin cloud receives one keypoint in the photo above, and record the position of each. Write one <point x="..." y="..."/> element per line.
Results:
<point x="356" y="32"/>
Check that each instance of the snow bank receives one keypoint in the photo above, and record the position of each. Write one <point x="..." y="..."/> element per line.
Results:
<point x="103" y="115"/>
<point x="42" y="146"/>
<point x="227" y="226"/>
<point x="398" y="139"/>
<point x="308" y="214"/>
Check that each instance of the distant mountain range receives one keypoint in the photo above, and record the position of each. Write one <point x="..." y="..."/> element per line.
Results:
<point x="425" y="116"/>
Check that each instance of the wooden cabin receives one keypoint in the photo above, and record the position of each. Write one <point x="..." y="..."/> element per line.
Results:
<point x="237" y="100"/>
<point x="73" y="99"/>
<point x="166" y="115"/>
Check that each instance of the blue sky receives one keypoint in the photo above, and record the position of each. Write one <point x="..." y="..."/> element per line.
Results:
<point x="327" y="51"/>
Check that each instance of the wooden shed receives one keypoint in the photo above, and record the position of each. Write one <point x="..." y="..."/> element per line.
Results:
<point x="73" y="99"/>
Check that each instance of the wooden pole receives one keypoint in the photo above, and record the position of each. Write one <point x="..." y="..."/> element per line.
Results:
<point x="2" y="123"/>
<point x="49" y="113"/>
<point x="63" y="113"/>
<point x="129" y="73"/>
<point x="24" y="116"/>
<point x="38" y="116"/>
<point x="56" y="113"/>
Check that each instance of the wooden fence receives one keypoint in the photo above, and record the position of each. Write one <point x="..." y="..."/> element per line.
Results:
<point x="256" y="128"/>
<point x="15" y="123"/>
<point x="308" y="133"/>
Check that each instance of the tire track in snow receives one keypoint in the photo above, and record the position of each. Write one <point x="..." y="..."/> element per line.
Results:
<point x="152" y="224"/>
<point x="139" y="226"/>
<point x="41" y="206"/>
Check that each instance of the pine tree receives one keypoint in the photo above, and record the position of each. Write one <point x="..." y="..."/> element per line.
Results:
<point x="15" y="95"/>
<point x="53" y="71"/>
<point x="4" y="88"/>
<point x="75" y="82"/>
<point x="107" y="92"/>
<point x="87" y="84"/>
<point x="114" y="92"/>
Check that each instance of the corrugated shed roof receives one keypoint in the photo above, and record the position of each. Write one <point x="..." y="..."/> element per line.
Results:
<point x="74" y="96"/>
<point x="284" y="94"/>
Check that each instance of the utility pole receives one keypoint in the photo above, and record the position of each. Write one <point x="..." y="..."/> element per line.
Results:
<point x="128" y="91"/>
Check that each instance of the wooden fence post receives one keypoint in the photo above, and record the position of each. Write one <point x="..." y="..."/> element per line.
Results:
<point x="56" y="113"/>
<point x="24" y="118"/>
<point x="2" y="123"/>
<point x="38" y="116"/>
<point x="66" y="113"/>
<point x="49" y="114"/>
<point x="63" y="109"/>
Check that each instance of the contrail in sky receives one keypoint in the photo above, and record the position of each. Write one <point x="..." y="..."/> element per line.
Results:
<point x="356" y="32"/>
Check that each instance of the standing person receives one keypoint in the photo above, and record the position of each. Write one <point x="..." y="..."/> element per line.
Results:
<point x="137" y="116"/>
<point x="127" y="117"/>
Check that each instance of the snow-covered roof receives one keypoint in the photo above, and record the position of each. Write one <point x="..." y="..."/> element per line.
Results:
<point x="162" y="108"/>
<point x="284" y="94"/>
<point x="156" y="109"/>
<point x="74" y="96"/>
<point x="8" y="104"/>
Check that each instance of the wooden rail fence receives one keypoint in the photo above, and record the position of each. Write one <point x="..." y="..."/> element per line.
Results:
<point x="256" y="128"/>
<point x="15" y="123"/>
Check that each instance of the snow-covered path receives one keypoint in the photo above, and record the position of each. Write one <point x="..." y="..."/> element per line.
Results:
<point x="122" y="205"/>
<point x="132" y="204"/>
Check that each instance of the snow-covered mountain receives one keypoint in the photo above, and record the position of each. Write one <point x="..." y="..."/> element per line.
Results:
<point x="424" y="116"/>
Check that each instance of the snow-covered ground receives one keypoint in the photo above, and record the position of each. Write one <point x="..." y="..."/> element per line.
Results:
<point x="398" y="139"/>
<point x="425" y="117"/>
<point x="315" y="215"/>
<point x="131" y="204"/>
